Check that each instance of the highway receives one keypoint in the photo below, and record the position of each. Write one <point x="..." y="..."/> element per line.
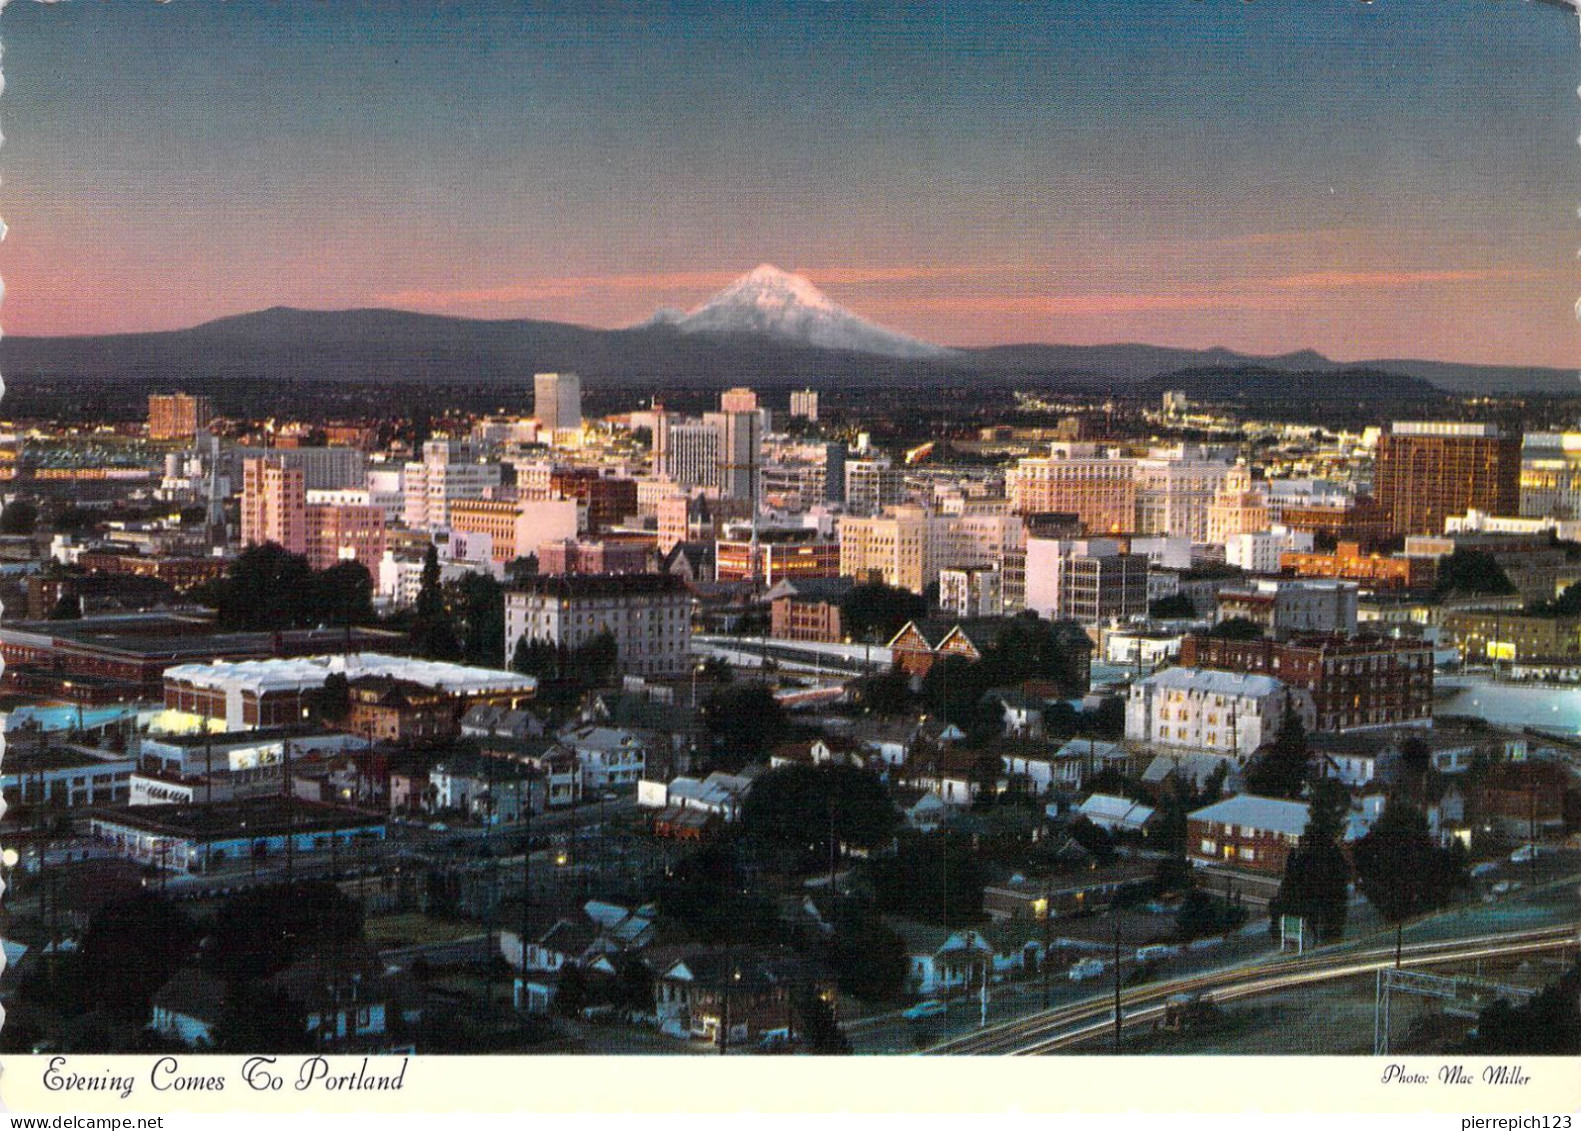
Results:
<point x="1057" y="1029"/>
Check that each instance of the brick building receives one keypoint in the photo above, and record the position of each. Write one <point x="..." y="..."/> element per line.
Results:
<point x="1427" y="471"/>
<point x="1358" y="681"/>
<point x="1246" y="833"/>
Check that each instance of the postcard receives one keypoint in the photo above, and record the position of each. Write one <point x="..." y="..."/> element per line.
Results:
<point x="705" y="556"/>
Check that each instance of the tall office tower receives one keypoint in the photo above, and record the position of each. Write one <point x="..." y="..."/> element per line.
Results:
<point x="902" y="548"/>
<point x="557" y="401"/>
<point x="1096" y="484"/>
<point x="689" y="453"/>
<point x="872" y="484"/>
<point x="834" y="472"/>
<point x="804" y="404"/>
<point x="740" y="451"/>
<point x="178" y="416"/>
<point x="449" y="470"/>
<point x="1175" y="488"/>
<point x="738" y="399"/>
<point x="1426" y="471"/>
<point x="274" y="505"/>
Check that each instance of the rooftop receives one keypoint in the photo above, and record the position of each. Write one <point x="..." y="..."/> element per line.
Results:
<point x="308" y="672"/>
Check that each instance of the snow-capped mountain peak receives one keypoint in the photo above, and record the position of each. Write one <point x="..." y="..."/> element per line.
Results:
<point x="767" y="300"/>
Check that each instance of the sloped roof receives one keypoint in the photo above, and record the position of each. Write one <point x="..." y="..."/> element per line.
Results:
<point x="1268" y="813"/>
<point x="1212" y="682"/>
<point x="1118" y="810"/>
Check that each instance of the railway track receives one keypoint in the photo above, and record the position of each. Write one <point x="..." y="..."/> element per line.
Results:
<point x="1067" y="1026"/>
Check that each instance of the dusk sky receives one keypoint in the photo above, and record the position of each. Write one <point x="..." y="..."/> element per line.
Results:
<point x="1393" y="179"/>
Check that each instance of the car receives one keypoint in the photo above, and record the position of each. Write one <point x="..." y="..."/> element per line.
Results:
<point x="1486" y="869"/>
<point x="1525" y="854"/>
<point x="1155" y="952"/>
<point x="930" y="1008"/>
<point x="439" y="827"/>
<point x="1086" y="968"/>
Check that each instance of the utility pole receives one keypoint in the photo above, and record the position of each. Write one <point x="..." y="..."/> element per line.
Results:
<point x="1115" y="909"/>
<point x="290" y="819"/>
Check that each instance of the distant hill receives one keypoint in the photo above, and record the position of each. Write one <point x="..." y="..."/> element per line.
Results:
<point x="1264" y="383"/>
<point x="399" y="346"/>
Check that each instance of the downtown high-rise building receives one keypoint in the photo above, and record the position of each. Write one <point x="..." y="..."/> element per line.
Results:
<point x="1427" y="471"/>
<point x="178" y="416"/>
<point x="557" y="402"/>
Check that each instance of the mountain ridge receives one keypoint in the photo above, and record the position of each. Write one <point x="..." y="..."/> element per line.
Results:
<point x="377" y="343"/>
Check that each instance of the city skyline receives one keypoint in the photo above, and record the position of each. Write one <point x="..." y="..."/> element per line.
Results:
<point x="1363" y="180"/>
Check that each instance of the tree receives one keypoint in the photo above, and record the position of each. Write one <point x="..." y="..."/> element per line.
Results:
<point x="332" y="702"/>
<point x="432" y="636"/>
<point x="802" y="807"/>
<point x="1236" y="628"/>
<point x="69" y="607"/>
<point x="1281" y="769"/>
<point x="481" y="600"/>
<point x="711" y="894"/>
<point x="520" y="568"/>
<point x="1177" y="606"/>
<point x="877" y="610"/>
<point x="819" y="1030"/>
<point x="1174" y="870"/>
<point x="1547" y="1025"/>
<point x="887" y="693"/>
<point x="742" y="724"/>
<point x="258" y="1019"/>
<point x="1202" y="914"/>
<point x="1316" y="882"/>
<point x="933" y="876"/>
<point x="1471" y="573"/>
<point x="868" y="959"/>
<point x="1402" y="872"/>
<point x="260" y="932"/>
<point x="266" y="589"/>
<point x="342" y="595"/>
<point x="129" y="950"/>
<point x="18" y="517"/>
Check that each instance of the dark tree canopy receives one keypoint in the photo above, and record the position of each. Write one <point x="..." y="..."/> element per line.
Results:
<point x="820" y="1031"/>
<point x="868" y="959"/>
<point x="1236" y="628"/>
<point x="433" y="633"/>
<point x="1177" y="606"/>
<point x="18" y="517"/>
<point x="343" y="594"/>
<point x="258" y="1019"/>
<point x="481" y="603"/>
<point x="1547" y="1025"/>
<point x="803" y="806"/>
<point x="1202" y="914"/>
<point x="1471" y="573"/>
<point x="267" y="588"/>
<point x="261" y="931"/>
<point x="878" y="611"/>
<point x="935" y="877"/>
<point x="1316" y="882"/>
<point x="743" y="722"/>
<point x="710" y="892"/>
<point x="129" y="951"/>
<point x="1400" y="869"/>
<point x="1281" y="768"/>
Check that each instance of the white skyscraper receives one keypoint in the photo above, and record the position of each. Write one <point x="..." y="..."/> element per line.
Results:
<point x="557" y="401"/>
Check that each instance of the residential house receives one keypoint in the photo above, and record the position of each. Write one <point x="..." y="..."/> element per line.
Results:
<point x="607" y="757"/>
<point x="1246" y="833"/>
<point x="1117" y="814"/>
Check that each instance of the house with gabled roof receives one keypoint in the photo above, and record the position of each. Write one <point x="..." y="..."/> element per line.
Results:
<point x="1117" y="814"/>
<point x="1246" y="833"/>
